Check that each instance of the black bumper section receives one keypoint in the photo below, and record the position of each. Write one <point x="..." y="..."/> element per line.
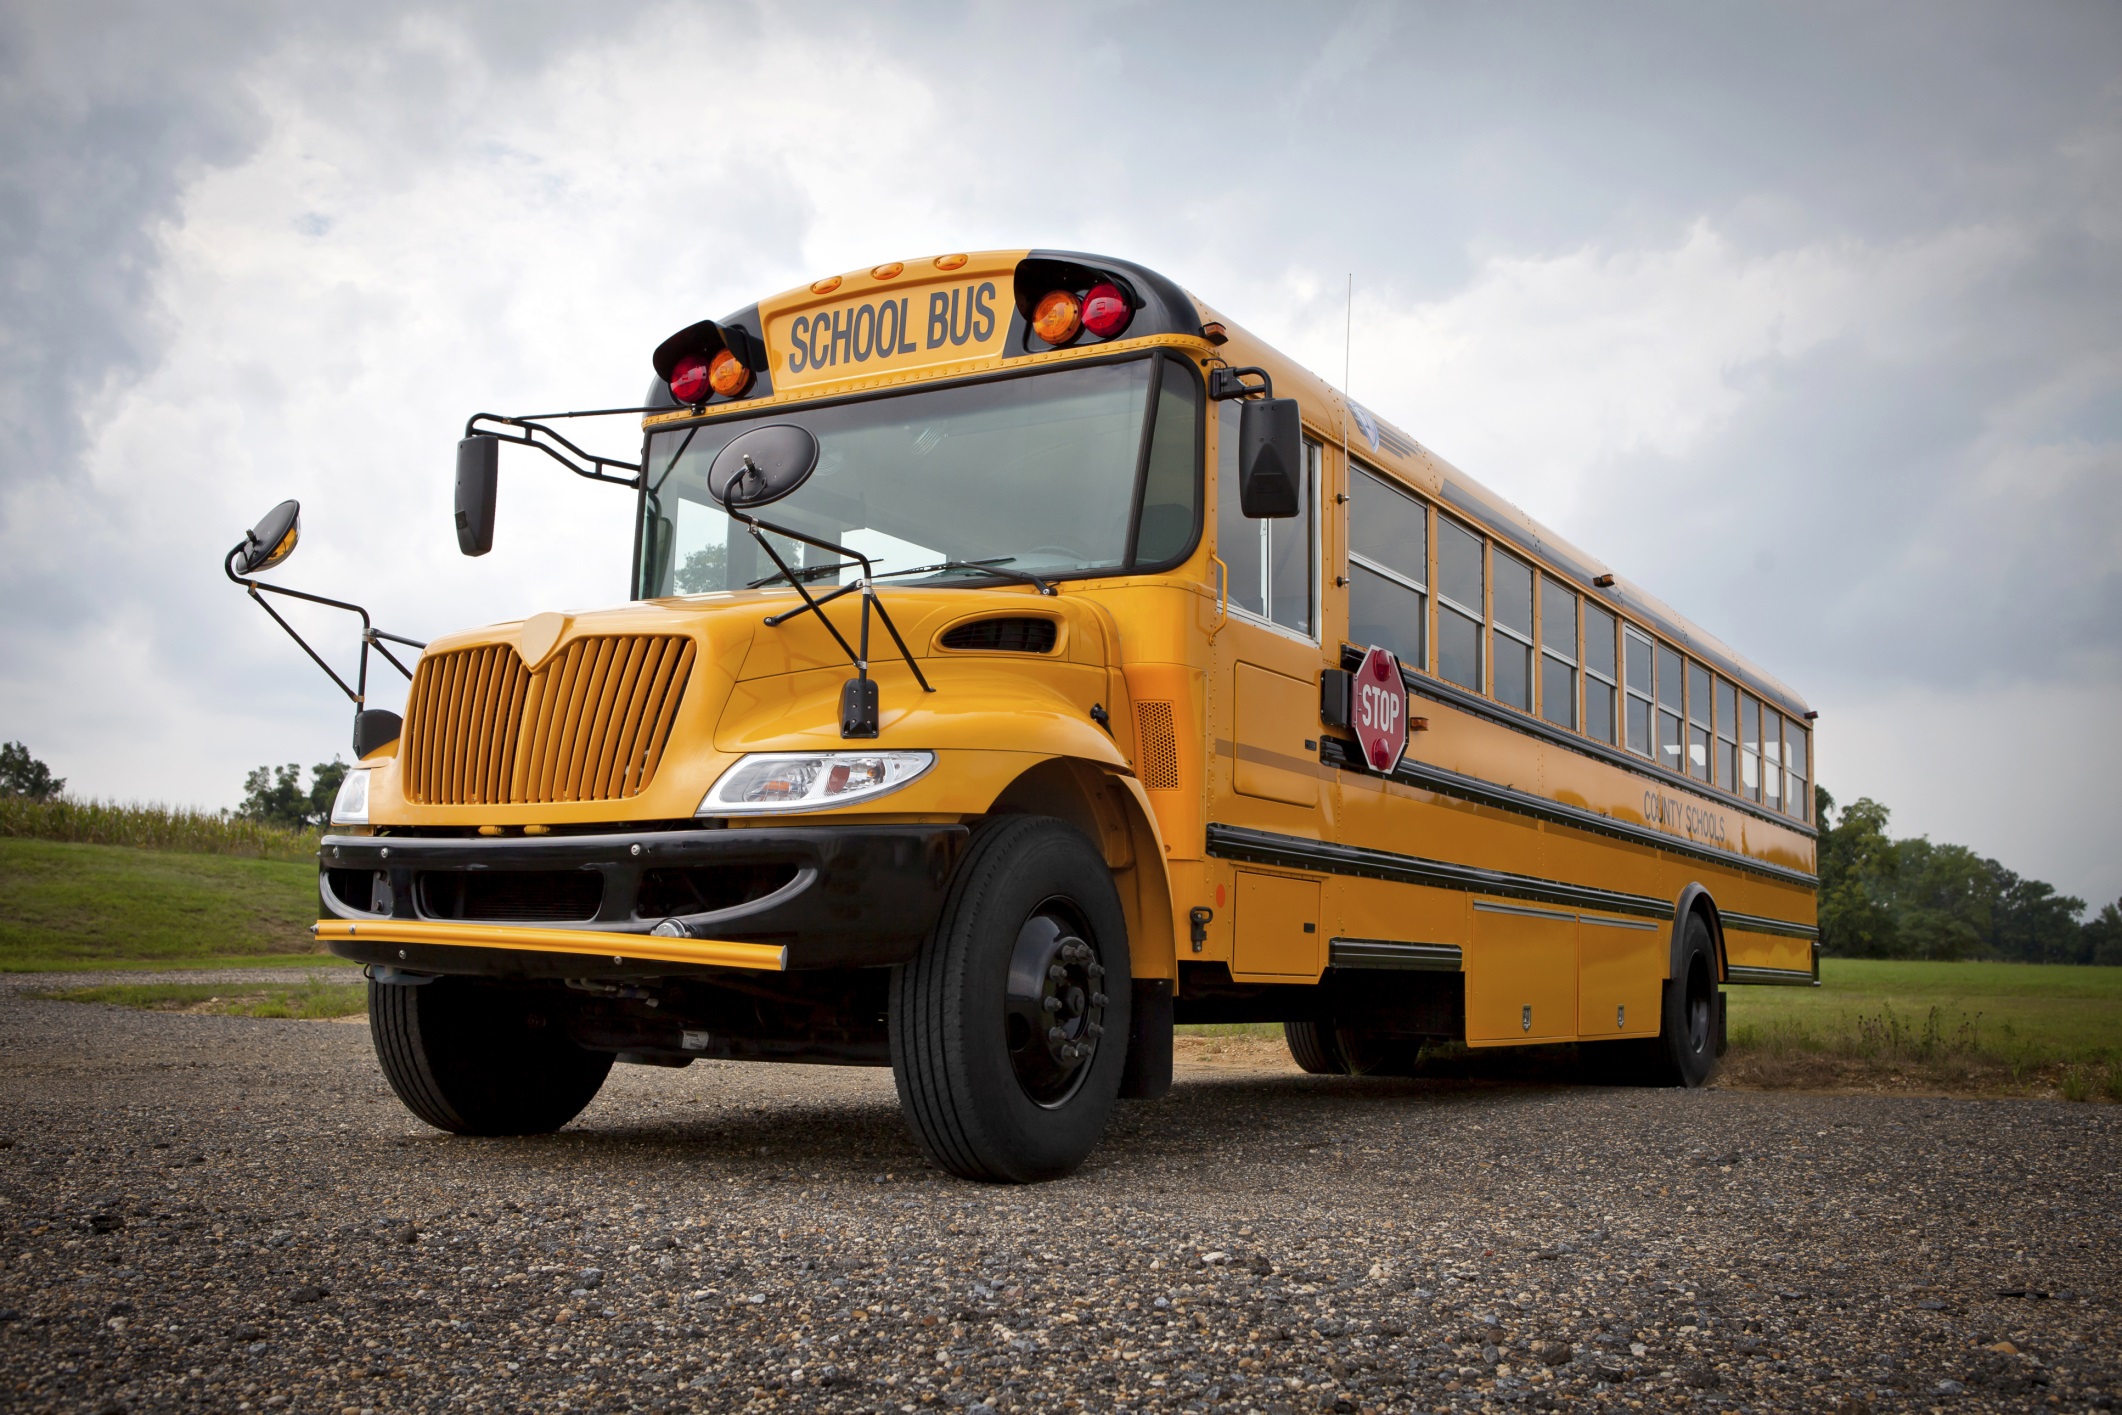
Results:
<point x="835" y="896"/>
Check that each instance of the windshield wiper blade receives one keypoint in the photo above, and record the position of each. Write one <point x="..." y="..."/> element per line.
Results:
<point x="989" y="567"/>
<point x="806" y="574"/>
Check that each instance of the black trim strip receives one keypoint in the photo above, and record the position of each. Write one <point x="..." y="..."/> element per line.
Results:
<point x="1384" y="953"/>
<point x="1335" y="752"/>
<point x="1260" y="847"/>
<point x="1755" y="924"/>
<point x="1439" y="691"/>
<point x="1770" y="977"/>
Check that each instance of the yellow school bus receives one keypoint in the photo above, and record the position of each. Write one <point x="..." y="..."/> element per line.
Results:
<point x="1023" y="659"/>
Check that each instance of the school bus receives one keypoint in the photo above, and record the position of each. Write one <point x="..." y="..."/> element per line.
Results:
<point x="1022" y="659"/>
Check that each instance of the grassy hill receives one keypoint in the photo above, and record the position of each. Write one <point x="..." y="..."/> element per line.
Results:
<point x="66" y="905"/>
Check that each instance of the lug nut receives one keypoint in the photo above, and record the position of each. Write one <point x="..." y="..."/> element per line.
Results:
<point x="1056" y="1036"/>
<point x="1052" y="1004"/>
<point x="1057" y="973"/>
<point x="1098" y="999"/>
<point x="1096" y="1029"/>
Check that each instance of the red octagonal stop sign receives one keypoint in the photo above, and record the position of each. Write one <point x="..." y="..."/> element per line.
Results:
<point x="1379" y="710"/>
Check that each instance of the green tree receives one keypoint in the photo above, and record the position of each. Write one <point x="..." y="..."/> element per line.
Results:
<point x="2103" y="937"/>
<point x="1857" y="869"/>
<point x="23" y="775"/>
<point x="274" y="795"/>
<point x="2034" y="923"/>
<point x="704" y="570"/>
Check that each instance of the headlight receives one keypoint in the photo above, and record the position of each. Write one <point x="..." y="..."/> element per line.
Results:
<point x="350" y="806"/>
<point x="810" y="781"/>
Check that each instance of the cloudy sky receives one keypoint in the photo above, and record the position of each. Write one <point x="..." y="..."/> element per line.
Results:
<point x="1808" y="318"/>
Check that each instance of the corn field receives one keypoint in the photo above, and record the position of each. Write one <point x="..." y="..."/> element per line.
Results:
<point x="151" y="827"/>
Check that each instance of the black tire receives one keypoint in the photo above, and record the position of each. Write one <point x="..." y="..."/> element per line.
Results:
<point x="479" y="1058"/>
<point x="1684" y="1052"/>
<point x="1313" y="1046"/>
<point x="989" y="1094"/>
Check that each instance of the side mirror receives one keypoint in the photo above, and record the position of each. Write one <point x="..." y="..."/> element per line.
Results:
<point x="1270" y="458"/>
<point x="763" y="465"/>
<point x="478" y="474"/>
<point x="272" y="540"/>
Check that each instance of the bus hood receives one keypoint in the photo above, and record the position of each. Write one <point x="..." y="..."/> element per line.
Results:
<point x="631" y="714"/>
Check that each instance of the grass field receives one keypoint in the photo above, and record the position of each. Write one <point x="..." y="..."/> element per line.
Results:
<point x="66" y="906"/>
<point x="1976" y="1028"/>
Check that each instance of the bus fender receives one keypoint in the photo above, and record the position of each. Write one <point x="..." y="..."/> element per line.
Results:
<point x="1695" y="899"/>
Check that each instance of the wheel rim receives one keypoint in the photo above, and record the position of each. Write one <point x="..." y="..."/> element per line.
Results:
<point x="1698" y="1009"/>
<point x="1054" y="1005"/>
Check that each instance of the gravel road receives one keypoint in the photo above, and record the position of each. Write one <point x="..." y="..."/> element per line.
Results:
<point x="225" y="1213"/>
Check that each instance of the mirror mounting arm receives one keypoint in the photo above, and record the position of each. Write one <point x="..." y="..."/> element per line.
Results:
<point x="1228" y="383"/>
<point x="371" y="636"/>
<point x="858" y="696"/>
<point x="578" y="460"/>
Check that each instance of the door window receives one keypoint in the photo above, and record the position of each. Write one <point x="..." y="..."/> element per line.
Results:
<point x="1273" y="564"/>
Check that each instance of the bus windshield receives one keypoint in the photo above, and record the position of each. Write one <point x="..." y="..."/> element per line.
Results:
<point x="1038" y="474"/>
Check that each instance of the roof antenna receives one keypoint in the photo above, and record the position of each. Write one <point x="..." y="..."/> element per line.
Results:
<point x="1348" y="404"/>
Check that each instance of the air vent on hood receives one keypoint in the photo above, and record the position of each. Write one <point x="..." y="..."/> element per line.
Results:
<point x="1025" y="634"/>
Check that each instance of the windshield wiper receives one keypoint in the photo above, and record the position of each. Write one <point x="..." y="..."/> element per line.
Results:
<point x="989" y="567"/>
<point x="806" y="574"/>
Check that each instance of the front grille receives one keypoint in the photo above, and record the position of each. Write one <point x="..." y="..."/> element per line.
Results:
<point x="512" y="896"/>
<point x="1024" y="634"/>
<point x="1158" y="761"/>
<point x="589" y="725"/>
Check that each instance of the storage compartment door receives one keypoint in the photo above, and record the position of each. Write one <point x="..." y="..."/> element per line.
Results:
<point x="1620" y="976"/>
<point x="1276" y="715"/>
<point x="1278" y="927"/>
<point x="1521" y="974"/>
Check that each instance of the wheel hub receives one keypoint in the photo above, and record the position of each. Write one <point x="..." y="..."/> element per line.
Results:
<point x="1054" y="1010"/>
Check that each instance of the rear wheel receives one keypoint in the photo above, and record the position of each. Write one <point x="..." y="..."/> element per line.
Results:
<point x="1009" y="1028"/>
<point x="1685" y="1050"/>
<point x="1325" y="1048"/>
<point x="478" y="1058"/>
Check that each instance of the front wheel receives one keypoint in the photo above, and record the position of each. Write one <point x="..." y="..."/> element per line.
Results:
<point x="480" y="1058"/>
<point x="1009" y="1028"/>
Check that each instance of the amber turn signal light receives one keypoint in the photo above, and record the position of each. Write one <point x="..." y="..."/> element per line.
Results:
<point x="689" y="380"/>
<point x="727" y="374"/>
<point x="1058" y="317"/>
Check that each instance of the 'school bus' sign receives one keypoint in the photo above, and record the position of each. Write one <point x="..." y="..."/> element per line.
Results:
<point x="889" y="331"/>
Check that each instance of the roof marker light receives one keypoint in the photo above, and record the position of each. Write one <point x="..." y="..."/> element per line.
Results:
<point x="689" y="380"/>
<point x="889" y="270"/>
<point x="950" y="262"/>
<point x="1058" y="317"/>
<point x="1105" y="310"/>
<point x="727" y="375"/>
<point x="826" y="286"/>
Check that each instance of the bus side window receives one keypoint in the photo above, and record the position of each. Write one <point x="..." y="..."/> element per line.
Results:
<point x="1670" y="685"/>
<point x="1459" y="605"/>
<point x="1750" y="748"/>
<point x="1727" y="735"/>
<point x="1601" y="680"/>
<point x="1272" y="563"/>
<point x="1388" y="568"/>
<point x="1796" y="798"/>
<point x="1771" y="759"/>
<point x="1558" y="654"/>
<point x="1514" y="631"/>
<point x="1639" y="710"/>
<point x="1698" y="733"/>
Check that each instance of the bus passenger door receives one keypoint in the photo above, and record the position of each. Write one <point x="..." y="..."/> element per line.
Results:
<point x="1521" y="974"/>
<point x="1266" y="726"/>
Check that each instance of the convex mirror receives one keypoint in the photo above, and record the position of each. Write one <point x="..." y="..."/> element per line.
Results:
<point x="272" y="540"/>
<point x="763" y="465"/>
<point x="1270" y="458"/>
<point x="478" y="476"/>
